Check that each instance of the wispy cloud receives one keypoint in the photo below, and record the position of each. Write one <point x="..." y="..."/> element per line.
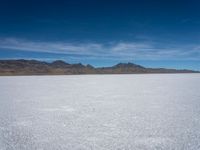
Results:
<point x="120" y="50"/>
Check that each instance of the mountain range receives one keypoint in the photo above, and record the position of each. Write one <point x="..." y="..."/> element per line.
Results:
<point x="59" y="67"/>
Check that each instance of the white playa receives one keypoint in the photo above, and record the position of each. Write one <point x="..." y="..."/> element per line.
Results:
<point x="100" y="112"/>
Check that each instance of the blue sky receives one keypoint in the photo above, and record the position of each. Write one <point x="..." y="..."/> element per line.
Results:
<point x="164" y="33"/>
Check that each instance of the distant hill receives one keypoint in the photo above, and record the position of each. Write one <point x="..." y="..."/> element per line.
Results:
<point x="58" y="67"/>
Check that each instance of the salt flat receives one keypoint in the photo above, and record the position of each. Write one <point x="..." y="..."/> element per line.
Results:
<point x="100" y="112"/>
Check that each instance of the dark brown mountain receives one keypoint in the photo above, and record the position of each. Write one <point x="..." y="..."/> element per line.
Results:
<point x="34" y="67"/>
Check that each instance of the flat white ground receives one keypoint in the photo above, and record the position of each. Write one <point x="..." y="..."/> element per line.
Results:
<point x="154" y="111"/>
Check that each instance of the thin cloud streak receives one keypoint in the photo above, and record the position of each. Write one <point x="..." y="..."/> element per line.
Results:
<point x="120" y="50"/>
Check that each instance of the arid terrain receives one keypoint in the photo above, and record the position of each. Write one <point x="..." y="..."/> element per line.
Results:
<point x="100" y="112"/>
<point x="34" y="67"/>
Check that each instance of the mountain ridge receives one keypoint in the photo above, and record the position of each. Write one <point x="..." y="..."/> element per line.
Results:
<point x="59" y="67"/>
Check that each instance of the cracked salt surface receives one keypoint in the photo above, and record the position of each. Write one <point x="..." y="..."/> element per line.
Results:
<point x="155" y="111"/>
